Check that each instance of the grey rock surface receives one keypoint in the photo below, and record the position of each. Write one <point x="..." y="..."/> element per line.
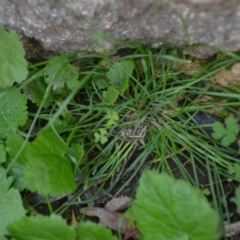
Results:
<point x="51" y="27"/>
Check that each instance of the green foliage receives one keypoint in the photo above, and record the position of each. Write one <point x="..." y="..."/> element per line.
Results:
<point x="112" y="118"/>
<point x="13" y="111"/>
<point x="61" y="73"/>
<point x="120" y="73"/>
<point x="14" y="142"/>
<point x="235" y="170"/>
<point x="11" y="207"/>
<point x="236" y="199"/>
<point x="55" y="228"/>
<point x="45" y="160"/>
<point x="111" y="95"/>
<point x="2" y="154"/>
<point x="117" y="81"/>
<point x="227" y="134"/>
<point x="40" y="227"/>
<point x="46" y="147"/>
<point x="13" y="65"/>
<point x="89" y="230"/>
<point x="166" y="208"/>
<point x="76" y="153"/>
<point x="35" y="91"/>
<point x="101" y="136"/>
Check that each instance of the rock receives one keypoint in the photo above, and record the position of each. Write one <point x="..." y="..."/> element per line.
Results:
<point x="205" y="119"/>
<point x="58" y="26"/>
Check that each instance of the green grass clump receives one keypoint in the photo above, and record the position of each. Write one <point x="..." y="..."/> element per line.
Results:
<point x="102" y="118"/>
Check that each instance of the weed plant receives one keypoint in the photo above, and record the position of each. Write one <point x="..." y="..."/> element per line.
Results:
<point x="108" y="117"/>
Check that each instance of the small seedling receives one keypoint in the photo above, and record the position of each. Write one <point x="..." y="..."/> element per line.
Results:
<point x="101" y="136"/>
<point x="227" y="134"/>
<point x="112" y="118"/>
<point x="119" y="74"/>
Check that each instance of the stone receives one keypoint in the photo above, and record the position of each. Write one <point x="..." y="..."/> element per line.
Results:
<point x="54" y="27"/>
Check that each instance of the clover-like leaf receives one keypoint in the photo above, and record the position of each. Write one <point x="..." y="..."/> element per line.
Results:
<point x="101" y="137"/>
<point x="227" y="135"/>
<point x="219" y="130"/>
<point x="232" y="125"/>
<point x="112" y="118"/>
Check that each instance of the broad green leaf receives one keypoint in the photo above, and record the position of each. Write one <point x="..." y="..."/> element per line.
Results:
<point x="42" y="227"/>
<point x="47" y="142"/>
<point x="60" y="72"/>
<point x="92" y="231"/>
<point x="35" y="91"/>
<point x="76" y="154"/>
<point x="14" y="143"/>
<point x="236" y="199"/>
<point x="11" y="208"/>
<point x="46" y="168"/>
<point x="49" y="174"/>
<point x="13" y="67"/>
<point x="166" y="208"/>
<point x="13" y="111"/>
<point x="120" y="73"/>
<point x="2" y="154"/>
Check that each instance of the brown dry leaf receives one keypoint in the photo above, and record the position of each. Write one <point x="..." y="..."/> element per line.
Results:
<point x="118" y="204"/>
<point x="228" y="78"/>
<point x="113" y="220"/>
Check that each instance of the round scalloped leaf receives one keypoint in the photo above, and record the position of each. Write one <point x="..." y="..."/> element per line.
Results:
<point x="13" y="65"/>
<point x="166" y="208"/>
<point x="42" y="227"/>
<point x="49" y="174"/>
<point x="93" y="231"/>
<point x="11" y="207"/>
<point x="13" y="111"/>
